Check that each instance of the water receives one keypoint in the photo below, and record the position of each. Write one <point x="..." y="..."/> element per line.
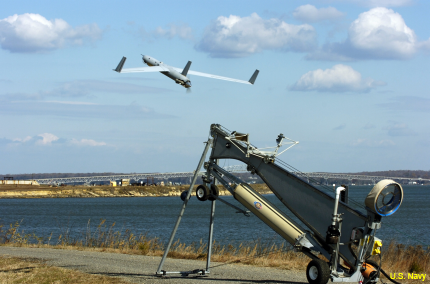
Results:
<point x="156" y="216"/>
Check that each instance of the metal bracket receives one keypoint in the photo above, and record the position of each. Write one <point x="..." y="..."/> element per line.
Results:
<point x="269" y="156"/>
<point x="302" y="241"/>
<point x="374" y="225"/>
<point x="163" y="273"/>
<point x="355" y="277"/>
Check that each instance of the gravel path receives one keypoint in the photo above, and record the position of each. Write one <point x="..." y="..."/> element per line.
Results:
<point x="141" y="269"/>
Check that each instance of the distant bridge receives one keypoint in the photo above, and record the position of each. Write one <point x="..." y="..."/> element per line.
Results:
<point x="309" y="177"/>
<point x="351" y="177"/>
<point x="136" y="177"/>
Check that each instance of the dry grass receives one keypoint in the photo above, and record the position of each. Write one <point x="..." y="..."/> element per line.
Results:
<point x="406" y="259"/>
<point x="18" y="270"/>
<point x="106" y="238"/>
<point x="395" y="258"/>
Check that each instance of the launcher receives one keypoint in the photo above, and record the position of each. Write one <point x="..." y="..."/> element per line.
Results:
<point x="331" y="226"/>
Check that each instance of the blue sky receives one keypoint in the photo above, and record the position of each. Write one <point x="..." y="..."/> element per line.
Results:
<point x="348" y="79"/>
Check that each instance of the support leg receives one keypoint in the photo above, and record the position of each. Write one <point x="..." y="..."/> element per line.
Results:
<point x="211" y="225"/>
<point x="210" y="240"/>
<point x="172" y="236"/>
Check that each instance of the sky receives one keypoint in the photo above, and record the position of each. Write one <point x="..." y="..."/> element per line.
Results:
<point x="347" y="79"/>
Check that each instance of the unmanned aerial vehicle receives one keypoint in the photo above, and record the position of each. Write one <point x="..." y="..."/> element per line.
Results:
<point x="176" y="74"/>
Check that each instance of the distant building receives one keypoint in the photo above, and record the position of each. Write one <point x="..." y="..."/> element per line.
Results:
<point x="19" y="182"/>
<point x="125" y="182"/>
<point x="112" y="183"/>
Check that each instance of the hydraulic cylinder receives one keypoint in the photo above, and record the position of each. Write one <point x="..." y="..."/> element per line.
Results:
<point x="269" y="214"/>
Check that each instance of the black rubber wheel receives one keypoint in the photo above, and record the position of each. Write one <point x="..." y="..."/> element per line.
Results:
<point x="202" y="192"/>
<point x="214" y="192"/>
<point x="184" y="195"/>
<point x="317" y="272"/>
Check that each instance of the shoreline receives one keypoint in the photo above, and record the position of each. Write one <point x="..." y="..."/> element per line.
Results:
<point x="80" y="191"/>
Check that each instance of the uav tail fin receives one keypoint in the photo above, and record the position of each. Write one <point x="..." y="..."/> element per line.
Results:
<point x="120" y="65"/>
<point x="187" y="67"/>
<point x="254" y="77"/>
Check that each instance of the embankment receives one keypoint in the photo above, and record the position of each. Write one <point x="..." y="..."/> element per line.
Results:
<point x="45" y="191"/>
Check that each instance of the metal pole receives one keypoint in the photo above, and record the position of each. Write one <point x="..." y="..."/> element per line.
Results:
<point x="172" y="236"/>
<point x="211" y="228"/>
<point x="336" y="258"/>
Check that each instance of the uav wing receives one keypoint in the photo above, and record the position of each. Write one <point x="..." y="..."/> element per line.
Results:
<point x="144" y="69"/>
<point x="251" y="81"/>
<point x="119" y="68"/>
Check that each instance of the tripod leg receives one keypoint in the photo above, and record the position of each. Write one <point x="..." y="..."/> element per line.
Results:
<point x="211" y="228"/>
<point x="181" y="213"/>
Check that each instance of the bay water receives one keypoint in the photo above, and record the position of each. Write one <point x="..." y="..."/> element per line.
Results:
<point x="156" y="216"/>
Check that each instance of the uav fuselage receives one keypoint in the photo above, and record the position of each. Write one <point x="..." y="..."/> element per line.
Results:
<point x="171" y="73"/>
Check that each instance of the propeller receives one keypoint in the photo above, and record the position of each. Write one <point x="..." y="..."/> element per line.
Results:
<point x="189" y="84"/>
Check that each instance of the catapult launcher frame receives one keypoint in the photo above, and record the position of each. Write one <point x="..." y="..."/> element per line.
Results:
<point x="332" y="228"/>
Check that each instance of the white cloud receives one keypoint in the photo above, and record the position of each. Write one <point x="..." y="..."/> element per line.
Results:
<point x="425" y="45"/>
<point x="26" y="139"/>
<point x="82" y="88"/>
<point x="47" y="139"/>
<point x="400" y="129"/>
<point x="384" y="3"/>
<point x="80" y="110"/>
<point x="70" y="103"/>
<point x="34" y="33"/>
<point x="236" y="36"/>
<point x="20" y="96"/>
<point x="372" y="143"/>
<point x="87" y="142"/>
<point x="408" y="103"/>
<point x="310" y="14"/>
<point x="382" y="32"/>
<point x="379" y="33"/>
<point x="182" y="31"/>
<point x="340" y="127"/>
<point x="369" y="126"/>
<point x="339" y="78"/>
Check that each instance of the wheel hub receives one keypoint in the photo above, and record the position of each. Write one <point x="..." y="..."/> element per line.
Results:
<point x="313" y="273"/>
<point x="200" y="193"/>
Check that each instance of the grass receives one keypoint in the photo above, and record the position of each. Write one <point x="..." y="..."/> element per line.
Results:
<point x="107" y="238"/>
<point x="396" y="258"/>
<point x="406" y="259"/>
<point x="19" y="270"/>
